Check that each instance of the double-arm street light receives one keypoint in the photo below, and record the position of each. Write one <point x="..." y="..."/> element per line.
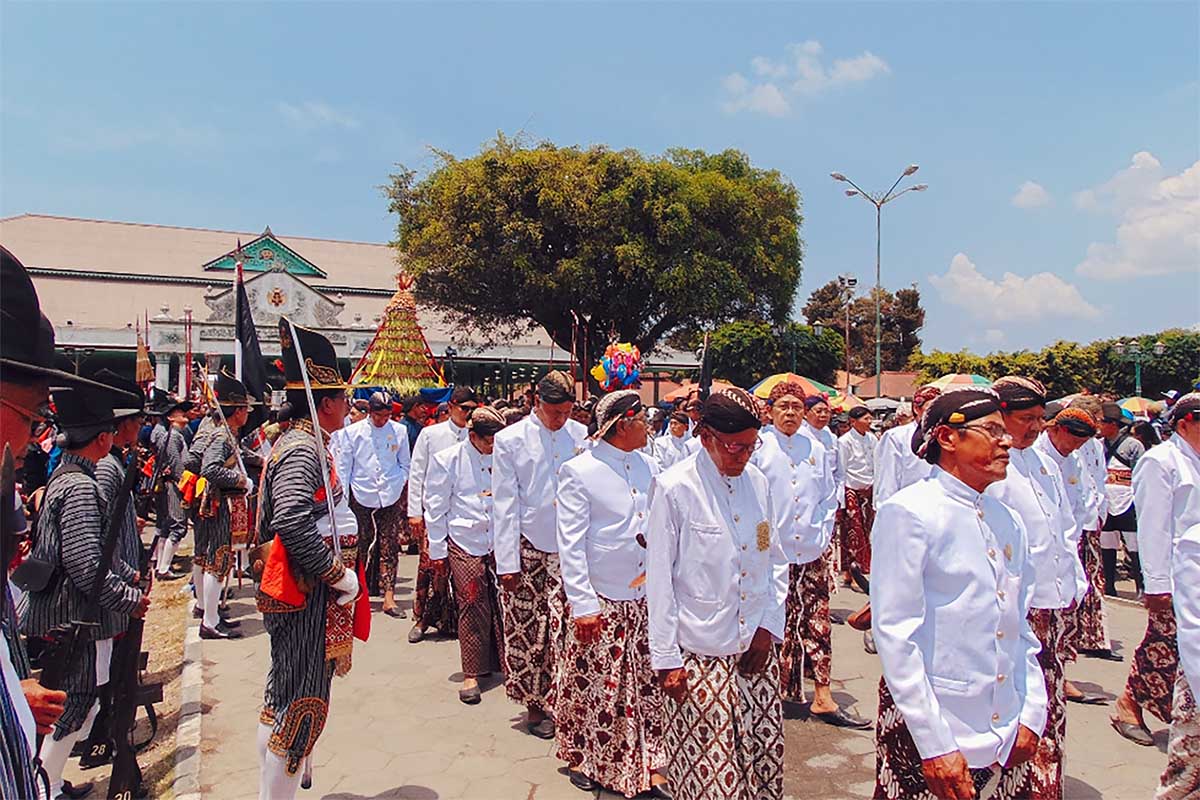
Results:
<point x="879" y="201"/>
<point x="1134" y="352"/>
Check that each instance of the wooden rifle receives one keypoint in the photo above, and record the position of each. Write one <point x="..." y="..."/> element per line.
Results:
<point x="128" y="693"/>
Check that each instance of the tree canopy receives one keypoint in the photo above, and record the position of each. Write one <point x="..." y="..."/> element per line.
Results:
<point x="745" y="352"/>
<point x="901" y="317"/>
<point x="638" y="248"/>
<point x="1068" y="367"/>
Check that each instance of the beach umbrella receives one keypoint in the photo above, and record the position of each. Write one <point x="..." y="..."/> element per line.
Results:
<point x="763" y="388"/>
<point x="956" y="379"/>
<point x="1137" y="405"/>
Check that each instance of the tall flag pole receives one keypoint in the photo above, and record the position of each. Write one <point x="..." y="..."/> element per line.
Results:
<point x="247" y="355"/>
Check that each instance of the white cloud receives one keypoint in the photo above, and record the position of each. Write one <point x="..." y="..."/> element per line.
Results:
<point x="993" y="337"/>
<point x="312" y="114"/>
<point x="1031" y="195"/>
<point x="1158" y="232"/>
<point x="1012" y="298"/>
<point x="801" y="73"/>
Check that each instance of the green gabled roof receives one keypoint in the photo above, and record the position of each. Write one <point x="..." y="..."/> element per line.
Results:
<point x="264" y="254"/>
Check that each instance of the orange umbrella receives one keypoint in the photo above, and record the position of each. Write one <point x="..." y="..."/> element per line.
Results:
<point x="845" y="402"/>
<point x="687" y="388"/>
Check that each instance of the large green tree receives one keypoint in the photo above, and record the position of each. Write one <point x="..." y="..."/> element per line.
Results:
<point x="635" y="248"/>
<point x="745" y="352"/>
<point x="901" y="319"/>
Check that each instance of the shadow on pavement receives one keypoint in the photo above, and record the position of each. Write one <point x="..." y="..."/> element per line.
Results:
<point x="408" y="792"/>
<point x="1076" y="789"/>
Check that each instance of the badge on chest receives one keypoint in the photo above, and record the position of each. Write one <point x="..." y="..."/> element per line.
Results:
<point x="763" y="532"/>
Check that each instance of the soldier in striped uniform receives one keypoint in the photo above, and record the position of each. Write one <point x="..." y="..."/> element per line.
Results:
<point x="306" y="590"/>
<point x="223" y="513"/>
<point x="172" y="518"/>
<point x="70" y="535"/>
<point x="110" y="473"/>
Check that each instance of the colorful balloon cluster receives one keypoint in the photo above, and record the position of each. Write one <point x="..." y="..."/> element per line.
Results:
<point x="620" y="368"/>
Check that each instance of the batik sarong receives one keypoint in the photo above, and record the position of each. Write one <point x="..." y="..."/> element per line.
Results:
<point x="1091" y="622"/>
<point x="1151" y="681"/>
<point x="1181" y="779"/>
<point x="533" y="628"/>
<point x="480" y="634"/>
<point x="815" y="633"/>
<point x="609" y="714"/>
<point x="1046" y="766"/>
<point x="791" y="654"/>
<point x="214" y="535"/>
<point x="379" y="528"/>
<point x="898" y="771"/>
<point x="857" y="519"/>
<point x="725" y="740"/>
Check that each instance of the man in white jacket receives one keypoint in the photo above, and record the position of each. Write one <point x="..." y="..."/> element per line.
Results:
<point x="962" y="689"/>
<point x="716" y="586"/>
<point x="525" y="466"/>
<point x="1165" y="484"/>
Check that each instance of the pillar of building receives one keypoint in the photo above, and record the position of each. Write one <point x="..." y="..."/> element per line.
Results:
<point x="162" y="371"/>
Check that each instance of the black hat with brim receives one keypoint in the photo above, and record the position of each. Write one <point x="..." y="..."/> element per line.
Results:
<point x="163" y="403"/>
<point x="22" y="353"/>
<point x="124" y="408"/>
<point x="83" y="412"/>
<point x="232" y="392"/>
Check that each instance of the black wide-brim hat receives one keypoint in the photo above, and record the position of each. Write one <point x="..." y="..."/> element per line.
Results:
<point x="83" y="412"/>
<point x="232" y="392"/>
<point x="320" y="359"/>
<point x="26" y="336"/>
<point x="124" y="408"/>
<point x="163" y="402"/>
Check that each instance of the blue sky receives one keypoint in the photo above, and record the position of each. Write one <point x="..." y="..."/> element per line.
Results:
<point x="1060" y="141"/>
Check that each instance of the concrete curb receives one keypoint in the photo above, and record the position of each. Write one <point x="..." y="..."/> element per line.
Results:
<point x="187" y="733"/>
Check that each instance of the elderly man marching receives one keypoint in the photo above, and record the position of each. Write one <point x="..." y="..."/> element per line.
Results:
<point x="222" y="516"/>
<point x="309" y="580"/>
<point x="432" y="583"/>
<point x="804" y="497"/>
<point x="962" y="690"/>
<point x="1167" y="499"/>
<point x="372" y="459"/>
<point x="610" y="709"/>
<point x="716" y="588"/>
<point x="1033" y="490"/>
<point x="525" y="466"/>
<point x="1060" y="441"/>
<point x="458" y="521"/>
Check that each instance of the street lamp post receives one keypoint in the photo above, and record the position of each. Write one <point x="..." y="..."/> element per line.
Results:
<point x="1133" y="352"/>
<point x="848" y="284"/>
<point x="879" y="201"/>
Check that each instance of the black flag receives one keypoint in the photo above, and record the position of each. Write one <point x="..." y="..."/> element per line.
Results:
<point x="251" y="369"/>
<point x="705" y="372"/>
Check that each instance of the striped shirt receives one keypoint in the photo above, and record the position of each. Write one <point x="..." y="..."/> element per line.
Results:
<point x="70" y="535"/>
<point x="110" y="474"/>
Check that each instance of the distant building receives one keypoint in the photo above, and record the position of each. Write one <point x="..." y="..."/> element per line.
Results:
<point x="96" y="279"/>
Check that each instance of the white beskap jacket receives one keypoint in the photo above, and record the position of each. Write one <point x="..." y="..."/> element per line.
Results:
<point x="525" y="465"/>
<point x="948" y="610"/>
<point x="803" y="493"/>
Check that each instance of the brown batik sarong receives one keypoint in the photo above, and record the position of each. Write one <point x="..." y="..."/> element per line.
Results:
<point x="1181" y="779"/>
<point x="857" y="519"/>
<point x="1091" y="621"/>
<point x="609" y="714"/>
<point x="1046" y="766"/>
<point x="533" y="629"/>
<point x="433" y="605"/>
<point x="725" y="740"/>
<point x="1152" y="676"/>
<point x="380" y="528"/>
<point x="898" y="763"/>
<point x="815" y="631"/>
<point x="480" y="635"/>
<point x="791" y="655"/>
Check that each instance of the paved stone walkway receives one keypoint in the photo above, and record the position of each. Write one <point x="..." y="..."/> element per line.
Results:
<point x="397" y="730"/>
